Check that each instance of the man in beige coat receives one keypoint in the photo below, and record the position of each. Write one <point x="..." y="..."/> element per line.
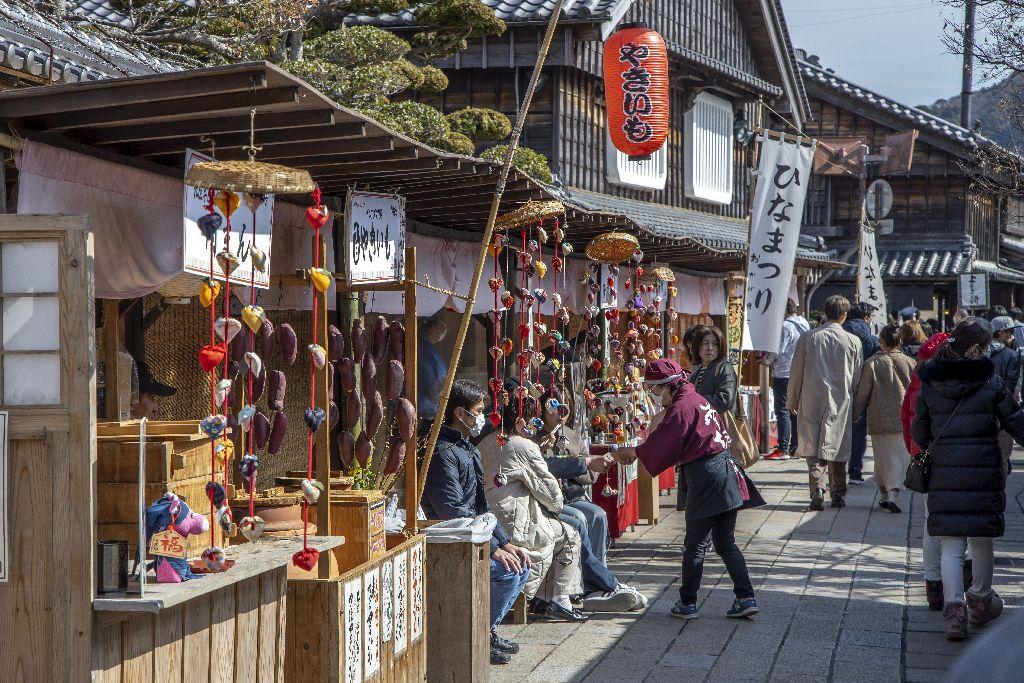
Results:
<point x="822" y="384"/>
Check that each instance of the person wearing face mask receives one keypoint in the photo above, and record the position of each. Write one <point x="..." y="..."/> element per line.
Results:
<point x="454" y="488"/>
<point x="691" y="433"/>
<point x="962" y="405"/>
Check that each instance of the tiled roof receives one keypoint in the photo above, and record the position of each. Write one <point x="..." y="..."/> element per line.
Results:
<point x="26" y="39"/>
<point x="101" y="11"/>
<point x="927" y="123"/>
<point x="512" y="11"/>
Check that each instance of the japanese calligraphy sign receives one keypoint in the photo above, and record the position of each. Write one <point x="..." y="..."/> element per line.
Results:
<point x="245" y="231"/>
<point x="869" y="280"/>
<point x="782" y="177"/>
<point x="637" y="90"/>
<point x="374" y="237"/>
<point x="974" y="290"/>
<point x="168" y="543"/>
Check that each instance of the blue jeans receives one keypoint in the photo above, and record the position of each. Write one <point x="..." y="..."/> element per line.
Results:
<point x="597" y="526"/>
<point x="596" y="575"/>
<point x="786" y="420"/>
<point x="858" y="446"/>
<point x="505" y="588"/>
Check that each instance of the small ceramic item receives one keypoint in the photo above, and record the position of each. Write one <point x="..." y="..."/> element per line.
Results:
<point x="321" y="278"/>
<point x="214" y="558"/>
<point x="228" y="262"/>
<point x="208" y="291"/>
<point x="311" y="490"/>
<point x="222" y="391"/>
<point x="253" y="362"/>
<point x="318" y="355"/>
<point x="252" y="527"/>
<point x="253" y="317"/>
<point x="258" y="258"/>
<point x="213" y="425"/>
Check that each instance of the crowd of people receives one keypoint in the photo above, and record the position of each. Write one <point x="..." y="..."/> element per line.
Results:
<point x="952" y="396"/>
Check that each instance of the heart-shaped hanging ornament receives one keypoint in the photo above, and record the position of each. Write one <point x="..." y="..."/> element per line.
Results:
<point x="253" y="317"/>
<point x="306" y="558"/>
<point x="542" y="235"/>
<point x="495" y="418"/>
<point x="208" y="291"/>
<point x="501" y="439"/>
<point x="245" y="416"/>
<point x="258" y="258"/>
<point x="495" y="283"/>
<point x="248" y="466"/>
<point x="495" y="352"/>
<point x="566" y="248"/>
<point x="321" y="279"/>
<point x="227" y="202"/>
<point x="252" y="201"/>
<point x="314" y="418"/>
<point x="311" y="490"/>
<point x="252" y="527"/>
<point x="215" y="493"/>
<point x="507" y="346"/>
<point x="317" y="217"/>
<point x="253" y="362"/>
<point x="214" y="559"/>
<point x="225" y="522"/>
<point x="227" y="328"/>
<point x="494" y="384"/>
<point x="540" y="295"/>
<point x="213" y="425"/>
<point x="212" y="355"/>
<point x="507" y="300"/>
<point x="557" y="263"/>
<point x="541" y="268"/>
<point x="222" y="391"/>
<point x="318" y="355"/>
<point x="532" y="246"/>
<point x="228" y="262"/>
<point x="209" y="225"/>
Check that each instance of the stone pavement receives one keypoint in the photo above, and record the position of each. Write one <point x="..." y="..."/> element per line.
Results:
<point x="841" y="595"/>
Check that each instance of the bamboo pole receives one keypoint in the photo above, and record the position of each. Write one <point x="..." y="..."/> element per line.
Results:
<point x="412" y="500"/>
<point x="323" y="438"/>
<point x="499" y="189"/>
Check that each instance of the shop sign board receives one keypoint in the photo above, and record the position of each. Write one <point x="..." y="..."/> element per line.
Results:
<point x="4" y="503"/>
<point x="245" y="231"/>
<point x="374" y="237"/>
<point x="973" y="290"/>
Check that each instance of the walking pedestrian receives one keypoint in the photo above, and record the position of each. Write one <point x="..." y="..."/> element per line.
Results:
<point x="822" y="382"/>
<point x="1007" y="361"/>
<point x="911" y="338"/>
<point x="693" y="434"/>
<point x="884" y="379"/>
<point x="962" y="405"/>
<point x="857" y="325"/>
<point x="793" y="327"/>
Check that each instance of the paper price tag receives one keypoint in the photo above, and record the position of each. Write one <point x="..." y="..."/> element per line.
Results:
<point x="168" y="543"/>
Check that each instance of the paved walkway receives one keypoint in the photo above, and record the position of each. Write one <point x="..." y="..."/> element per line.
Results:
<point x="840" y="591"/>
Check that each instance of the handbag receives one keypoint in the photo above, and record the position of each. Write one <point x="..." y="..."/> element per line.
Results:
<point x="743" y="447"/>
<point x="919" y="471"/>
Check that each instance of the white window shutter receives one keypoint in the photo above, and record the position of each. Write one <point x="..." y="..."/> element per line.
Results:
<point x="647" y="174"/>
<point x="707" y="149"/>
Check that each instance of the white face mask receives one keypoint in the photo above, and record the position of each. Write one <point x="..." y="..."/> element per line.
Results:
<point x="478" y="423"/>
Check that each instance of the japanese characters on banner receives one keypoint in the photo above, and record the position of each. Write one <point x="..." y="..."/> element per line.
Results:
<point x="400" y="576"/>
<point x="973" y="290"/>
<point x="251" y="220"/>
<point x="782" y="178"/>
<point x="416" y="609"/>
<point x="374" y="237"/>
<point x="869" y="281"/>
<point x="354" y="630"/>
<point x="371" y="621"/>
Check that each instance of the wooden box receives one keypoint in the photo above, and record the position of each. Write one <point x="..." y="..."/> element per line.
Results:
<point x="462" y="611"/>
<point x="177" y="459"/>
<point x="359" y="517"/>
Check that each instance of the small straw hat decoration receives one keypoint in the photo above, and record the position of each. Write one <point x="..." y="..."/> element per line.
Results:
<point x="612" y="247"/>
<point x="254" y="177"/>
<point x="529" y="213"/>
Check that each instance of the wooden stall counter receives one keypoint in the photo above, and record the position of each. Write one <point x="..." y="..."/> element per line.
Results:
<point x="220" y="627"/>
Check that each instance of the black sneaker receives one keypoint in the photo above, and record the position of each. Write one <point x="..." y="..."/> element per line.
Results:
<point x="556" y="612"/>
<point x="503" y="645"/>
<point x="499" y="657"/>
<point x="537" y="606"/>
<point x="838" y="502"/>
<point x="817" y="505"/>
<point x="893" y="508"/>
<point x="681" y="611"/>
<point x="747" y="607"/>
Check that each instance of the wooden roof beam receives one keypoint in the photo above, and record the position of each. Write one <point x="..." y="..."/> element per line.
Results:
<point x="264" y="138"/>
<point x="210" y="126"/>
<point x="296" y="154"/>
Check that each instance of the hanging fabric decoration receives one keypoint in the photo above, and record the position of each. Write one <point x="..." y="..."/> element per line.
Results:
<point x="636" y="85"/>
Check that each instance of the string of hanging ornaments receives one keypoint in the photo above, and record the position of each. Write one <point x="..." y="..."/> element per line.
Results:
<point x="228" y="353"/>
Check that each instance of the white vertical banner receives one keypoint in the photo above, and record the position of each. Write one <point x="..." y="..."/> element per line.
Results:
<point x="869" y="281"/>
<point x="783" y="174"/>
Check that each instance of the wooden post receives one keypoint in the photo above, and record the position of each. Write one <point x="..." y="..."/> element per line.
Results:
<point x="412" y="500"/>
<point x="113" y="335"/>
<point x="323" y="437"/>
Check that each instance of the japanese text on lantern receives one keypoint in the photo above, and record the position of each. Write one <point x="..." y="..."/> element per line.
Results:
<point x="636" y="82"/>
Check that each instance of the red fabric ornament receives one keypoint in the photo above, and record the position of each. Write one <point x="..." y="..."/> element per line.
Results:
<point x="212" y="355"/>
<point x="596" y="366"/>
<point x="495" y="419"/>
<point x="317" y="216"/>
<point x="306" y="558"/>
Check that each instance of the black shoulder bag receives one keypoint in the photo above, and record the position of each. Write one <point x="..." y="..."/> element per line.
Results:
<point x="919" y="471"/>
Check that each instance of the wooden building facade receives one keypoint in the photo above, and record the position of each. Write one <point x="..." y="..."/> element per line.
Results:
<point x="944" y="224"/>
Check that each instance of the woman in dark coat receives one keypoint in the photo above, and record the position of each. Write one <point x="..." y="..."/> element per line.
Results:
<point x="692" y="434"/>
<point x="712" y="373"/>
<point x="961" y="408"/>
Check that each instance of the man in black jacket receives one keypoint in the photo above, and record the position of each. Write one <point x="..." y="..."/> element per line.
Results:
<point x="455" y="488"/>
<point x="857" y="325"/>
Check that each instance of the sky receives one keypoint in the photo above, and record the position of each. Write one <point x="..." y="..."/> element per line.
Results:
<point x="894" y="49"/>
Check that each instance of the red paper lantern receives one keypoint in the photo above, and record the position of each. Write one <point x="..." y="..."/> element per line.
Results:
<point x="636" y="89"/>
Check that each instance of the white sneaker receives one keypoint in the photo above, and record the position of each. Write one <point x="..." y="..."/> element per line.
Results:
<point x="619" y="600"/>
<point x="641" y="599"/>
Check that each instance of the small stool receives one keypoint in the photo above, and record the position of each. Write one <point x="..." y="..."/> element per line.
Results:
<point x="519" y="610"/>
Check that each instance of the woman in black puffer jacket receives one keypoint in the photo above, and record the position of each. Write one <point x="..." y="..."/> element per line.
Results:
<point x="961" y="408"/>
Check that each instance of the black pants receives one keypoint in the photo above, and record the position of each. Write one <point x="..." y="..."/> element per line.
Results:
<point x="722" y="528"/>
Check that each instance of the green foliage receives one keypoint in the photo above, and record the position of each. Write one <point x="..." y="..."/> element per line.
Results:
<point x="357" y="46"/>
<point x="470" y="18"/>
<point x="456" y="143"/>
<point x="419" y="121"/>
<point x="434" y="80"/>
<point x="533" y="164"/>
<point x="480" y="125"/>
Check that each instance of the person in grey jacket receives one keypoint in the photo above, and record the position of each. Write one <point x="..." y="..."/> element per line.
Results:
<point x="793" y="327"/>
<point x="1006" y="360"/>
